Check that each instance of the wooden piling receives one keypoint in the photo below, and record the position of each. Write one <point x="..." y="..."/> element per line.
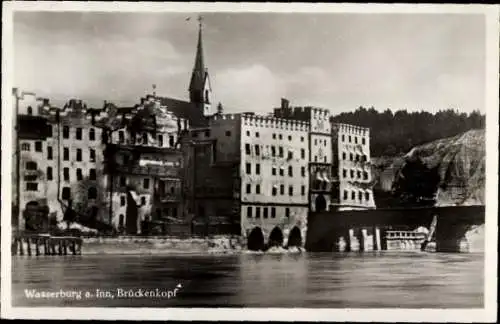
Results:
<point x="21" y="247"/>
<point x="37" y="246"/>
<point x="28" y="246"/>
<point x="65" y="247"/>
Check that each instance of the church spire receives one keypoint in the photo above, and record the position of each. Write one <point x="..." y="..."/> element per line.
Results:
<point x="199" y="86"/>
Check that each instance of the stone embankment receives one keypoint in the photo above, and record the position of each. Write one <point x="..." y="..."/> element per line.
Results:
<point x="161" y="245"/>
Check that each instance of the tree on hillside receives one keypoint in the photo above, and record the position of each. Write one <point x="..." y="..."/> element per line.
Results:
<point x="416" y="185"/>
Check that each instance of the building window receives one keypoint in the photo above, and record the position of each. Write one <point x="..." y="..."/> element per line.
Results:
<point x="31" y="165"/>
<point x="265" y="212"/>
<point x="172" y="190"/>
<point x="49" y="173"/>
<point x="249" y="188"/>
<point x="92" y="134"/>
<point x="343" y="156"/>
<point x="145" y="183"/>
<point x="315" y="141"/>
<point x="343" y="138"/>
<point x="49" y="153"/>
<point x="249" y="168"/>
<point x="365" y="175"/>
<point x="160" y="140"/>
<point x="65" y="132"/>
<point x="290" y="155"/>
<point x="280" y="136"/>
<point x="360" y="195"/>
<point x="273" y="151"/>
<point x="144" y="139"/>
<point x="257" y="134"/>
<point x="92" y="193"/>
<point x="355" y="140"/>
<point x="79" y="175"/>
<point x="257" y="150"/>
<point x="303" y="190"/>
<point x="274" y="136"/>
<point x="290" y="171"/>
<point x="353" y="195"/>
<point x="30" y="110"/>
<point x="123" y="181"/>
<point x="122" y="200"/>
<point x="257" y="212"/>
<point x="31" y="186"/>
<point x="78" y="154"/>
<point x="66" y="193"/>
<point x="38" y="146"/>
<point x="228" y="133"/>
<point x="302" y="138"/>
<point x="350" y="156"/>
<point x="315" y="158"/>
<point x="121" y="136"/>
<point x="257" y="189"/>
<point x="25" y="147"/>
<point x="346" y="194"/>
<point x="273" y="171"/>
<point x="349" y="138"/>
<point x="274" y="191"/>
<point x="303" y="171"/>
<point x="282" y="171"/>
<point x="171" y="141"/>
<point x="344" y="173"/>
<point x="273" y="212"/>
<point x="280" y="151"/>
<point x="290" y="190"/>
<point x="174" y="211"/>
<point x="92" y="155"/>
<point x="92" y="175"/>
<point x="324" y="159"/>
<point x="248" y="150"/>
<point x="302" y="153"/>
<point x="143" y="201"/>
<point x="357" y="158"/>
<point x="352" y="174"/>
<point x="78" y="133"/>
<point x="66" y="174"/>
<point x="249" y="212"/>
<point x="287" y="212"/>
<point x="257" y="169"/>
<point x="359" y="174"/>
<point x="324" y="142"/>
<point x="363" y="141"/>
<point x="248" y="133"/>
<point x="289" y="137"/>
<point x="121" y="220"/>
<point x="282" y="189"/>
<point x="367" y="196"/>
<point x="66" y="154"/>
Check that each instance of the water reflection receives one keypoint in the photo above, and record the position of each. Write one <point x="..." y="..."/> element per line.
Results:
<point x="350" y="280"/>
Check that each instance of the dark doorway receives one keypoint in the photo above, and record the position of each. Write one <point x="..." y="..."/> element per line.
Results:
<point x="276" y="237"/>
<point x="295" y="238"/>
<point x="256" y="240"/>
<point x="320" y="203"/>
<point x="132" y="214"/>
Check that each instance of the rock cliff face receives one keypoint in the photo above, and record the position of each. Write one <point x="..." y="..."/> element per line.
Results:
<point x="459" y="160"/>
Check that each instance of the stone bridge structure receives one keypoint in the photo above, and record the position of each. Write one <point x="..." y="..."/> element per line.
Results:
<point x="327" y="230"/>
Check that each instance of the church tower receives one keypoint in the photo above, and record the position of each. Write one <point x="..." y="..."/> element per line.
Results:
<point x="200" y="91"/>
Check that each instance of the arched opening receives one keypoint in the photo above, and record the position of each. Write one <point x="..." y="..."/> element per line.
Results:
<point x="30" y="110"/>
<point x="295" y="237"/>
<point x="276" y="237"/>
<point x="256" y="240"/>
<point x="320" y="203"/>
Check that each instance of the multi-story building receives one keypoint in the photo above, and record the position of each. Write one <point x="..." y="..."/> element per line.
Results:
<point x="339" y="160"/>
<point x="260" y="163"/>
<point x="319" y="161"/>
<point x="60" y="160"/>
<point x="144" y="166"/>
<point x="351" y="159"/>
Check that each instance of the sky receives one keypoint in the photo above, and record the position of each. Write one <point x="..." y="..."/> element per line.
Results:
<point x="338" y="61"/>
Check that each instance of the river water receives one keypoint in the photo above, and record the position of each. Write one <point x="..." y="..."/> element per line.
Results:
<point x="351" y="280"/>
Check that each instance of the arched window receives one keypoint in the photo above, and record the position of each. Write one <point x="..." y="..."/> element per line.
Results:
<point x="30" y="110"/>
<point x="92" y="193"/>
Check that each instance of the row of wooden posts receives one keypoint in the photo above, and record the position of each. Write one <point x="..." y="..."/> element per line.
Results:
<point x="51" y="245"/>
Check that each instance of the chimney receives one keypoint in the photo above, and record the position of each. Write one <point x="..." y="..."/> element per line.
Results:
<point x="284" y="103"/>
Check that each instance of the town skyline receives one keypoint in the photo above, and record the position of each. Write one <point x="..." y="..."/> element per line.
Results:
<point x="335" y="61"/>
